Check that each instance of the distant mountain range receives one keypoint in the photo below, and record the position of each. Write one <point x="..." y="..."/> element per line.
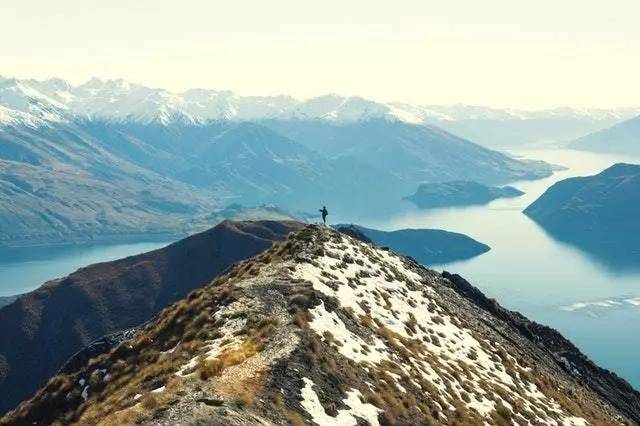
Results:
<point x="110" y="159"/>
<point x="458" y="193"/>
<point x="622" y="138"/>
<point x="598" y="214"/>
<point x="34" y="102"/>
<point x="411" y="153"/>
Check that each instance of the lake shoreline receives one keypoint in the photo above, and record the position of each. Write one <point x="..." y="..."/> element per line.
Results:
<point x="529" y="271"/>
<point x="101" y="239"/>
<point x="26" y="268"/>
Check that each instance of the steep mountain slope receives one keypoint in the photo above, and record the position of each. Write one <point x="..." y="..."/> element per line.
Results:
<point x="89" y="180"/>
<point x="622" y="138"/>
<point x="413" y="153"/>
<point x="42" y="329"/>
<point x="57" y="183"/>
<point x="427" y="246"/>
<point x="259" y="164"/>
<point x="5" y="300"/>
<point x="250" y="164"/>
<point x="597" y="213"/>
<point x="119" y="102"/>
<point x="605" y="203"/>
<point x="458" y="193"/>
<point x="323" y="329"/>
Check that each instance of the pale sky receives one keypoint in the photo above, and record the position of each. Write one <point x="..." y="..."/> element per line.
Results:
<point x="517" y="53"/>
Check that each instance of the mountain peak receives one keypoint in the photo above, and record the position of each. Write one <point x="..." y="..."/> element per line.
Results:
<point x="121" y="101"/>
<point x="621" y="169"/>
<point x="326" y="329"/>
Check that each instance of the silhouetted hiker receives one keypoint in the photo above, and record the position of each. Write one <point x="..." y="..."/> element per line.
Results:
<point x="324" y="212"/>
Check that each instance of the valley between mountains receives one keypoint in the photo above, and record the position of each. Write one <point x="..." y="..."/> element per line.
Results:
<point x="110" y="160"/>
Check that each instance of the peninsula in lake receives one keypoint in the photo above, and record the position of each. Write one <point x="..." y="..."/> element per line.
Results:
<point x="598" y="214"/>
<point x="459" y="193"/>
<point x="428" y="246"/>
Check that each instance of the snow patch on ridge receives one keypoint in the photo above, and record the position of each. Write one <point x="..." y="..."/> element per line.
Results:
<point x="350" y="344"/>
<point x="380" y="285"/>
<point x="357" y="409"/>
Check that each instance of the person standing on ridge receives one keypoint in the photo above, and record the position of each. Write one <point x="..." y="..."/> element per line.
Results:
<point x="324" y="212"/>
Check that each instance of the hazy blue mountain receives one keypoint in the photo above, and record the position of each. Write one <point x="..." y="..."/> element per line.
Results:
<point x="42" y="329"/>
<point x="91" y="180"/>
<point x="87" y="179"/>
<point x="551" y="127"/>
<point x="58" y="184"/>
<point x="249" y="163"/>
<point x="428" y="246"/>
<point x="513" y="128"/>
<point x="118" y="101"/>
<point x="518" y="133"/>
<point x="109" y="158"/>
<point x="597" y="213"/>
<point x="458" y="193"/>
<point x="238" y="212"/>
<point x="412" y="153"/>
<point x="623" y="138"/>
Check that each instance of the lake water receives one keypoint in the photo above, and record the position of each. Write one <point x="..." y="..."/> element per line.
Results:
<point x="594" y="304"/>
<point x="26" y="268"/>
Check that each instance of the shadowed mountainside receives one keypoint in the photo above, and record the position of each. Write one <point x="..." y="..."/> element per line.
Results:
<point x="43" y="328"/>
<point x="412" y="153"/>
<point x="598" y="214"/>
<point x="622" y="138"/>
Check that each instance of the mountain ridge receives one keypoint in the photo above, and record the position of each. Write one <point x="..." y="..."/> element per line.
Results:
<point x="325" y="329"/>
<point x="622" y="138"/>
<point x="121" y="101"/>
<point x="595" y="213"/>
<point x="43" y="328"/>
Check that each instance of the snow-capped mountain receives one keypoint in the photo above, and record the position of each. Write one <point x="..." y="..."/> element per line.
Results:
<point x="24" y="102"/>
<point x="35" y="102"/>
<point x="459" y="112"/>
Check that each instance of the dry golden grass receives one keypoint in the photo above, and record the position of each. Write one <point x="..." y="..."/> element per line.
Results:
<point x="245" y="399"/>
<point x="209" y="368"/>
<point x="302" y="318"/>
<point x="294" y="418"/>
